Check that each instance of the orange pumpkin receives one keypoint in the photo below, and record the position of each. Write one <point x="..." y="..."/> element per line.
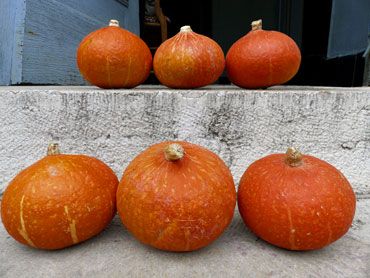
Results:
<point x="59" y="201"/>
<point x="296" y="201"/>
<point x="262" y="58"/>
<point x="188" y="60"/>
<point x="112" y="57"/>
<point x="176" y="196"/>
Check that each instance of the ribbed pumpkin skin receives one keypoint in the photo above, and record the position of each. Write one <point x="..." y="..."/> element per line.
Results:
<point x="262" y="59"/>
<point x="188" y="60"/>
<point x="59" y="201"/>
<point x="297" y="208"/>
<point x="112" y="57"/>
<point x="176" y="206"/>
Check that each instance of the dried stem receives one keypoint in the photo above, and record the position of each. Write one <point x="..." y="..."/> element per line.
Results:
<point x="53" y="149"/>
<point x="174" y="152"/>
<point x="293" y="157"/>
<point x="257" y="25"/>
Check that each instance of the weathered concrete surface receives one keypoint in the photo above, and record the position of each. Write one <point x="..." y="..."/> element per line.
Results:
<point x="238" y="253"/>
<point x="241" y="126"/>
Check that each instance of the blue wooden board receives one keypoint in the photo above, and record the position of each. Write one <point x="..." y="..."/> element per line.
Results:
<point x="349" y="27"/>
<point x="7" y="38"/>
<point x="12" y="16"/>
<point x="41" y="46"/>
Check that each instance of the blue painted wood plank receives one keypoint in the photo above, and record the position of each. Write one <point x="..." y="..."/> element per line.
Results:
<point x="100" y="10"/>
<point x="39" y="38"/>
<point x="349" y="27"/>
<point x="17" y="55"/>
<point x="54" y="28"/>
<point x="11" y="40"/>
<point x="133" y="21"/>
<point x="7" y="15"/>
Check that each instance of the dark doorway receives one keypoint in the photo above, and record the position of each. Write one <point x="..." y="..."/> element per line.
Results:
<point x="197" y="14"/>
<point x="316" y="68"/>
<point x="308" y="25"/>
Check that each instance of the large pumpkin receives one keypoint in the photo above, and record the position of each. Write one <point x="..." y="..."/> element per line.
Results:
<point x="112" y="57"/>
<point x="262" y="58"/>
<point x="296" y="201"/>
<point x="176" y="196"/>
<point x="188" y="60"/>
<point x="59" y="201"/>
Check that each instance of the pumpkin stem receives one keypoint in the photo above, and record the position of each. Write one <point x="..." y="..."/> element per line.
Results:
<point x="186" y="28"/>
<point x="174" y="152"/>
<point x="53" y="149"/>
<point x="257" y="25"/>
<point x="293" y="157"/>
<point x="114" y="22"/>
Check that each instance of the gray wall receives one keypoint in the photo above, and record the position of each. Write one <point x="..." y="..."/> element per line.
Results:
<point x="239" y="125"/>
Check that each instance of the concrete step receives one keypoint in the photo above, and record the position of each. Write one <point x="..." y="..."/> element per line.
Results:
<point x="239" y="125"/>
<point x="238" y="253"/>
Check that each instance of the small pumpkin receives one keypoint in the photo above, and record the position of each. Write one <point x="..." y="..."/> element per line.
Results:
<point x="296" y="201"/>
<point x="112" y="57"/>
<point x="262" y="58"/>
<point x="176" y="196"/>
<point x="59" y="201"/>
<point x="188" y="60"/>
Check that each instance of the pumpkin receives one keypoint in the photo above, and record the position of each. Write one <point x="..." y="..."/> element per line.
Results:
<point x="296" y="201"/>
<point x="176" y="196"/>
<point x="262" y="58"/>
<point x="112" y="57"/>
<point x="188" y="60"/>
<point x="59" y="201"/>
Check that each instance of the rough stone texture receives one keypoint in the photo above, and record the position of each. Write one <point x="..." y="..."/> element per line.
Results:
<point x="241" y="126"/>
